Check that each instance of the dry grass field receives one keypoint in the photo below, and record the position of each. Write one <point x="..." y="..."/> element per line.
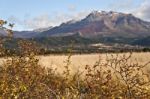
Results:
<point x="86" y="76"/>
<point x="78" y="62"/>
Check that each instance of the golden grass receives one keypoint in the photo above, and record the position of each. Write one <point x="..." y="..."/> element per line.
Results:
<point x="104" y="76"/>
<point x="78" y="62"/>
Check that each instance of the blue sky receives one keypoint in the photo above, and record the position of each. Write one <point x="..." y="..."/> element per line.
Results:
<point x="32" y="14"/>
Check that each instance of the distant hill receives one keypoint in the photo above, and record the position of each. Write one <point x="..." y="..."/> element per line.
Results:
<point x="25" y="34"/>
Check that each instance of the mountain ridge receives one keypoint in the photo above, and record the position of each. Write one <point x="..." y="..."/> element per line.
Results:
<point x="104" y="23"/>
<point x="97" y="27"/>
<point x="96" y="23"/>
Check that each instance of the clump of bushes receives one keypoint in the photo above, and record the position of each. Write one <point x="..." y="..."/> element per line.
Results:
<point x="21" y="77"/>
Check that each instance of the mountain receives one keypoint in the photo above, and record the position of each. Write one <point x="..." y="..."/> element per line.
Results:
<point x="30" y="34"/>
<point x="111" y="24"/>
<point x="113" y="30"/>
<point x="96" y="24"/>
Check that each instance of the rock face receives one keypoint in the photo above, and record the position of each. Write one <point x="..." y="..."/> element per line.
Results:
<point x="104" y="23"/>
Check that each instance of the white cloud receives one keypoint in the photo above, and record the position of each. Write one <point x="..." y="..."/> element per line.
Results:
<point x="128" y="6"/>
<point x="45" y="20"/>
<point x="41" y="21"/>
<point x="80" y="15"/>
<point x="120" y="5"/>
<point x="72" y="8"/>
<point x="14" y="19"/>
<point x="144" y="10"/>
